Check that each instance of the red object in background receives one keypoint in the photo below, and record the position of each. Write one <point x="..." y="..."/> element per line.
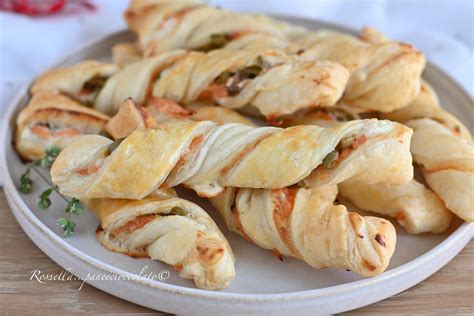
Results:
<point x="41" y="7"/>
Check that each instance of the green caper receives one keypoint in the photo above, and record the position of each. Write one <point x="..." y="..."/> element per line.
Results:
<point x="178" y="211"/>
<point x="329" y="161"/>
<point x="347" y="142"/>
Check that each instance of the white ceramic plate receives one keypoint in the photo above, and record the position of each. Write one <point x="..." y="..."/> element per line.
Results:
<point x="263" y="283"/>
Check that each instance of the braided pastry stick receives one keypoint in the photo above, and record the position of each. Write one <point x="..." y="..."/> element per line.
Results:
<point x="82" y="81"/>
<point x="304" y="223"/>
<point x="125" y="53"/>
<point x="167" y="228"/>
<point x="278" y="237"/>
<point x="374" y="68"/>
<point x="415" y="207"/>
<point x="131" y="116"/>
<point x="447" y="162"/>
<point x="267" y="80"/>
<point x="50" y="120"/>
<point x="265" y="203"/>
<point x="208" y="157"/>
<point x="426" y="105"/>
<point x="166" y="25"/>
<point x="442" y="147"/>
<point x="374" y="65"/>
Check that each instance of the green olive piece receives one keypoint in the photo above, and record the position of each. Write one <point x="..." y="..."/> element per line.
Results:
<point x="329" y="161"/>
<point x="178" y="211"/>
<point x="347" y="142"/>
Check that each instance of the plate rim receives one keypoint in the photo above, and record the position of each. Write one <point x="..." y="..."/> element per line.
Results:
<point x="460" y="234"/>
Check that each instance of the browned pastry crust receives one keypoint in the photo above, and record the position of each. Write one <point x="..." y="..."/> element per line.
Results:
<point x="51" y="119"/>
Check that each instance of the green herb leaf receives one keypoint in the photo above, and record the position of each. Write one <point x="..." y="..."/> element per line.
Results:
<point x="67" y="226"/>
<point x="51" y="153"/>
<point x="44" y="201"/>
<point x="115" y="144"/>
<point x="75" y="207"/>
<point x="26" y="184"/>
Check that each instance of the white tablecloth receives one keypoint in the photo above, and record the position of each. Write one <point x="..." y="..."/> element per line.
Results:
<point x="443" y="30"/>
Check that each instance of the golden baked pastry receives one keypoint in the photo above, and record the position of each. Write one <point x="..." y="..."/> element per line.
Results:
<point x="442" y="147"/>
<point x="374" y="62"/>
<point x="166" y="25"/>
<point x="50" y="120"/>
<point x="82" y="81"/>
<point x="125" y="53"/>
<point x="134" y="81"/>
<point x="426" y="105"/>
<point x="447" y="162"/>
<point x="415" y="207"/>
<point x="305" y="224"/>
<point x="374" y="68"/>
<point x="267" y="80"/>
<point x="208" y="157"/>
<point x="167" y="228"/>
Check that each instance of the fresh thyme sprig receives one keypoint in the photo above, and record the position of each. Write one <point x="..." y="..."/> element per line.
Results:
<point x="51" y="153"/>
<point x="26" y="184"/>
<point x="44" y="201"/>
<point x="67" y="226"/>
<point x="74" y="207"/>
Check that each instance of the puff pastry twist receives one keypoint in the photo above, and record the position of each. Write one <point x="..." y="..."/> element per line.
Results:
<point x="374" y="64"/>
<point x="304" y="223"/>
<point x="166" y="25"/>
<point x="271" y="82"/>
<point x="415" y="207"/>
<point x="442" y="147"/>
<point x="447" y="162"/>
<point x="282" y="212"/>
<point x="373" y="68"/>
<point x="268" y="81"/>
<point x="82" y="81"/>
<point x="52" y="119"/>
<point x="208" y="157"/>
<point x="170" y="229"/>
